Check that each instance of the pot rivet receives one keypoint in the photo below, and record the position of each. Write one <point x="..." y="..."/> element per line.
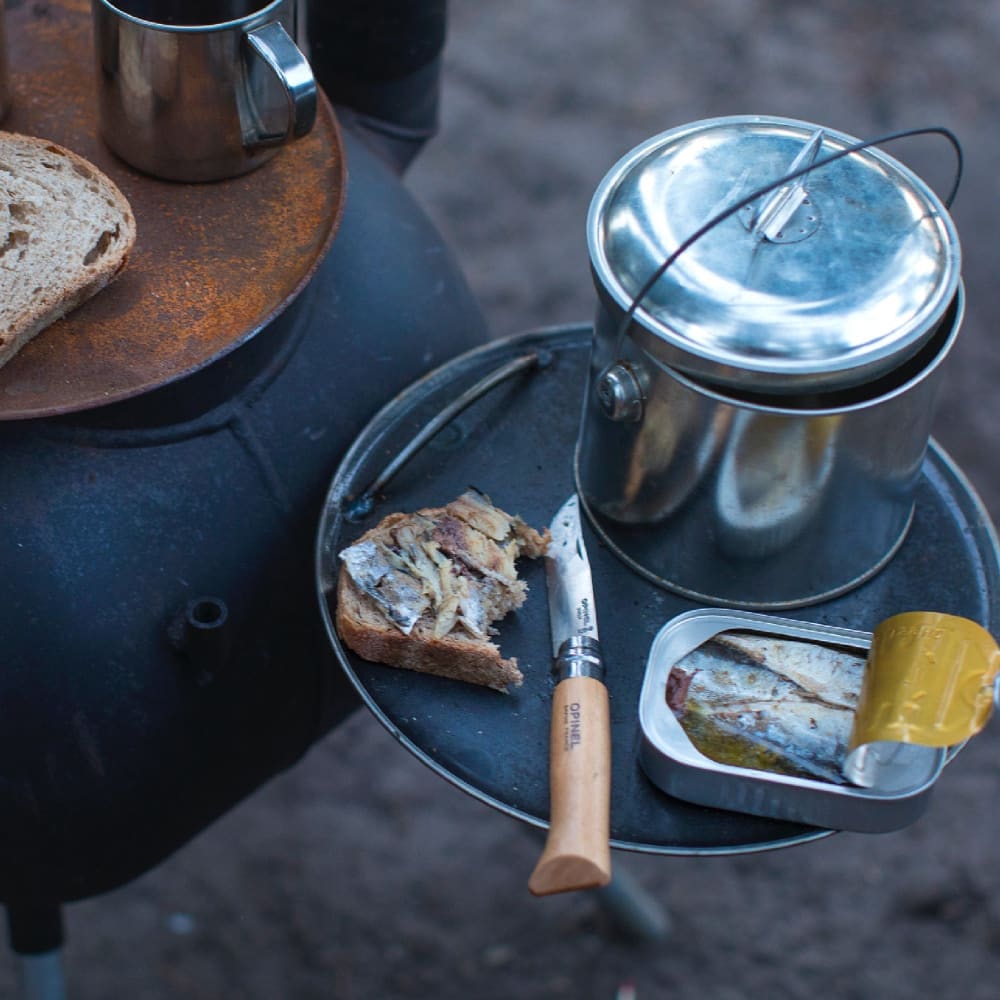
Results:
<point x="620" y="394"/>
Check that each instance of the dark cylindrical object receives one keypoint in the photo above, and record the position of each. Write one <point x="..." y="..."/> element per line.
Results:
<point x="199" y="499"/>
<point x="379" y="61"/>
<point x="34" y="927"/>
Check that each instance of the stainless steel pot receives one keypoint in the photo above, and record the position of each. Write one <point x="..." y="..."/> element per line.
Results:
<point x="755" y="426"/>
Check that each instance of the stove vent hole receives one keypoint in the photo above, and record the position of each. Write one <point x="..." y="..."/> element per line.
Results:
<point x="207" y="613"/>
<point x="200" y="634"/>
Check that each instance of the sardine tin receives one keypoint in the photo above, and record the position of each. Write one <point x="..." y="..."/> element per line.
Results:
<point x="902" y="775"/>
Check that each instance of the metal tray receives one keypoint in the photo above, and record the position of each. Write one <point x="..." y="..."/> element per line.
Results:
<point x="901" y="785"/>
<point x="516" y="444"/>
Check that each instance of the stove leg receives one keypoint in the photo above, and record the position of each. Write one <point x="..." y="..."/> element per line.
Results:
<point x="36" y="937"/>
<point x="42" y="976"/>
<point x="634" y="911"/>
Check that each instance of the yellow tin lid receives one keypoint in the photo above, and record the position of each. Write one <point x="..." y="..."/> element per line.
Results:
<point x="929" y="680"/>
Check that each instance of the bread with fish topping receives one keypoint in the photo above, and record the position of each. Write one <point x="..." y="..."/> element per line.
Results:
<point x="66" y="231"/>
<point x="423" y="590"/>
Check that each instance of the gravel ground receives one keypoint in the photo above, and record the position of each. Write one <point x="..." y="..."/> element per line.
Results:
<point x="360" y="874"/>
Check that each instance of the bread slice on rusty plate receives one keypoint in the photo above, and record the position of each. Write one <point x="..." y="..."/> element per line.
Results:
<point x="66" y="231"/>
<point x="423" y="590"/>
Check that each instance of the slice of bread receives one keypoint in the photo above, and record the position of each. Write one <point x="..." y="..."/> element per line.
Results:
<point x="422" y="591"/>
<point x="65" y="232"/>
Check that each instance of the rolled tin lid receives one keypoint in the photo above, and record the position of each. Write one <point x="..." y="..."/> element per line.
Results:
<point x="825" y="283"/>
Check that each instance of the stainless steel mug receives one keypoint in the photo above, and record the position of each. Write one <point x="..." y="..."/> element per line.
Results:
<point x="4" y="77"/>
<point x="200" y="90"/>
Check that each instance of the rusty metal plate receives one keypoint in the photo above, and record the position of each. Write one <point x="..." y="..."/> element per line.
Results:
<point x="212" y="264"/>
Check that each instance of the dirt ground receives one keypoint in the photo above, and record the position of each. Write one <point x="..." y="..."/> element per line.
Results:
<point x="361" y="874"/>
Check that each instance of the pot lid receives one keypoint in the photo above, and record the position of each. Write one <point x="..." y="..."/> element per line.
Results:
<point x="827" y="281"/>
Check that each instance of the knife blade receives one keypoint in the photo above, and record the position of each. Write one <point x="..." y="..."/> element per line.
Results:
<point x="577" y="853"/>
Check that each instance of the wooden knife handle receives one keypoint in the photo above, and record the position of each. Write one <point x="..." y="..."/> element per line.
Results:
<point x="577" y="854"/>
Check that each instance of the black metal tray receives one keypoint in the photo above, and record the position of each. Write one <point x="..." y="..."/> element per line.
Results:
<point x="516" y="444"/>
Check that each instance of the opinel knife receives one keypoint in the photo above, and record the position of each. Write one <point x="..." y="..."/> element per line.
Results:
<point x="577" y="852"/>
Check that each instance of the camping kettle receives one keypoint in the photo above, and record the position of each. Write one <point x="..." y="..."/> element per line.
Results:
<point x="758" y="410"/>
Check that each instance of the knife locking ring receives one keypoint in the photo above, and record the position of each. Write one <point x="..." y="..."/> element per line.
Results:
<point x="579" y="656"/>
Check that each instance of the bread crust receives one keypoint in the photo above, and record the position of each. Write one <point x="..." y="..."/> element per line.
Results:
<point x="364" y="629"/>
<point x="56" y="288"/>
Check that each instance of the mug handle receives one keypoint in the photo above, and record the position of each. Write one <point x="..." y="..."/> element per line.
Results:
<point x="275" y="47"/>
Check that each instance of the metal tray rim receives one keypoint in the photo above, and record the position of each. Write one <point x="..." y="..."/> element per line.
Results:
<point x="682" y="833"/>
